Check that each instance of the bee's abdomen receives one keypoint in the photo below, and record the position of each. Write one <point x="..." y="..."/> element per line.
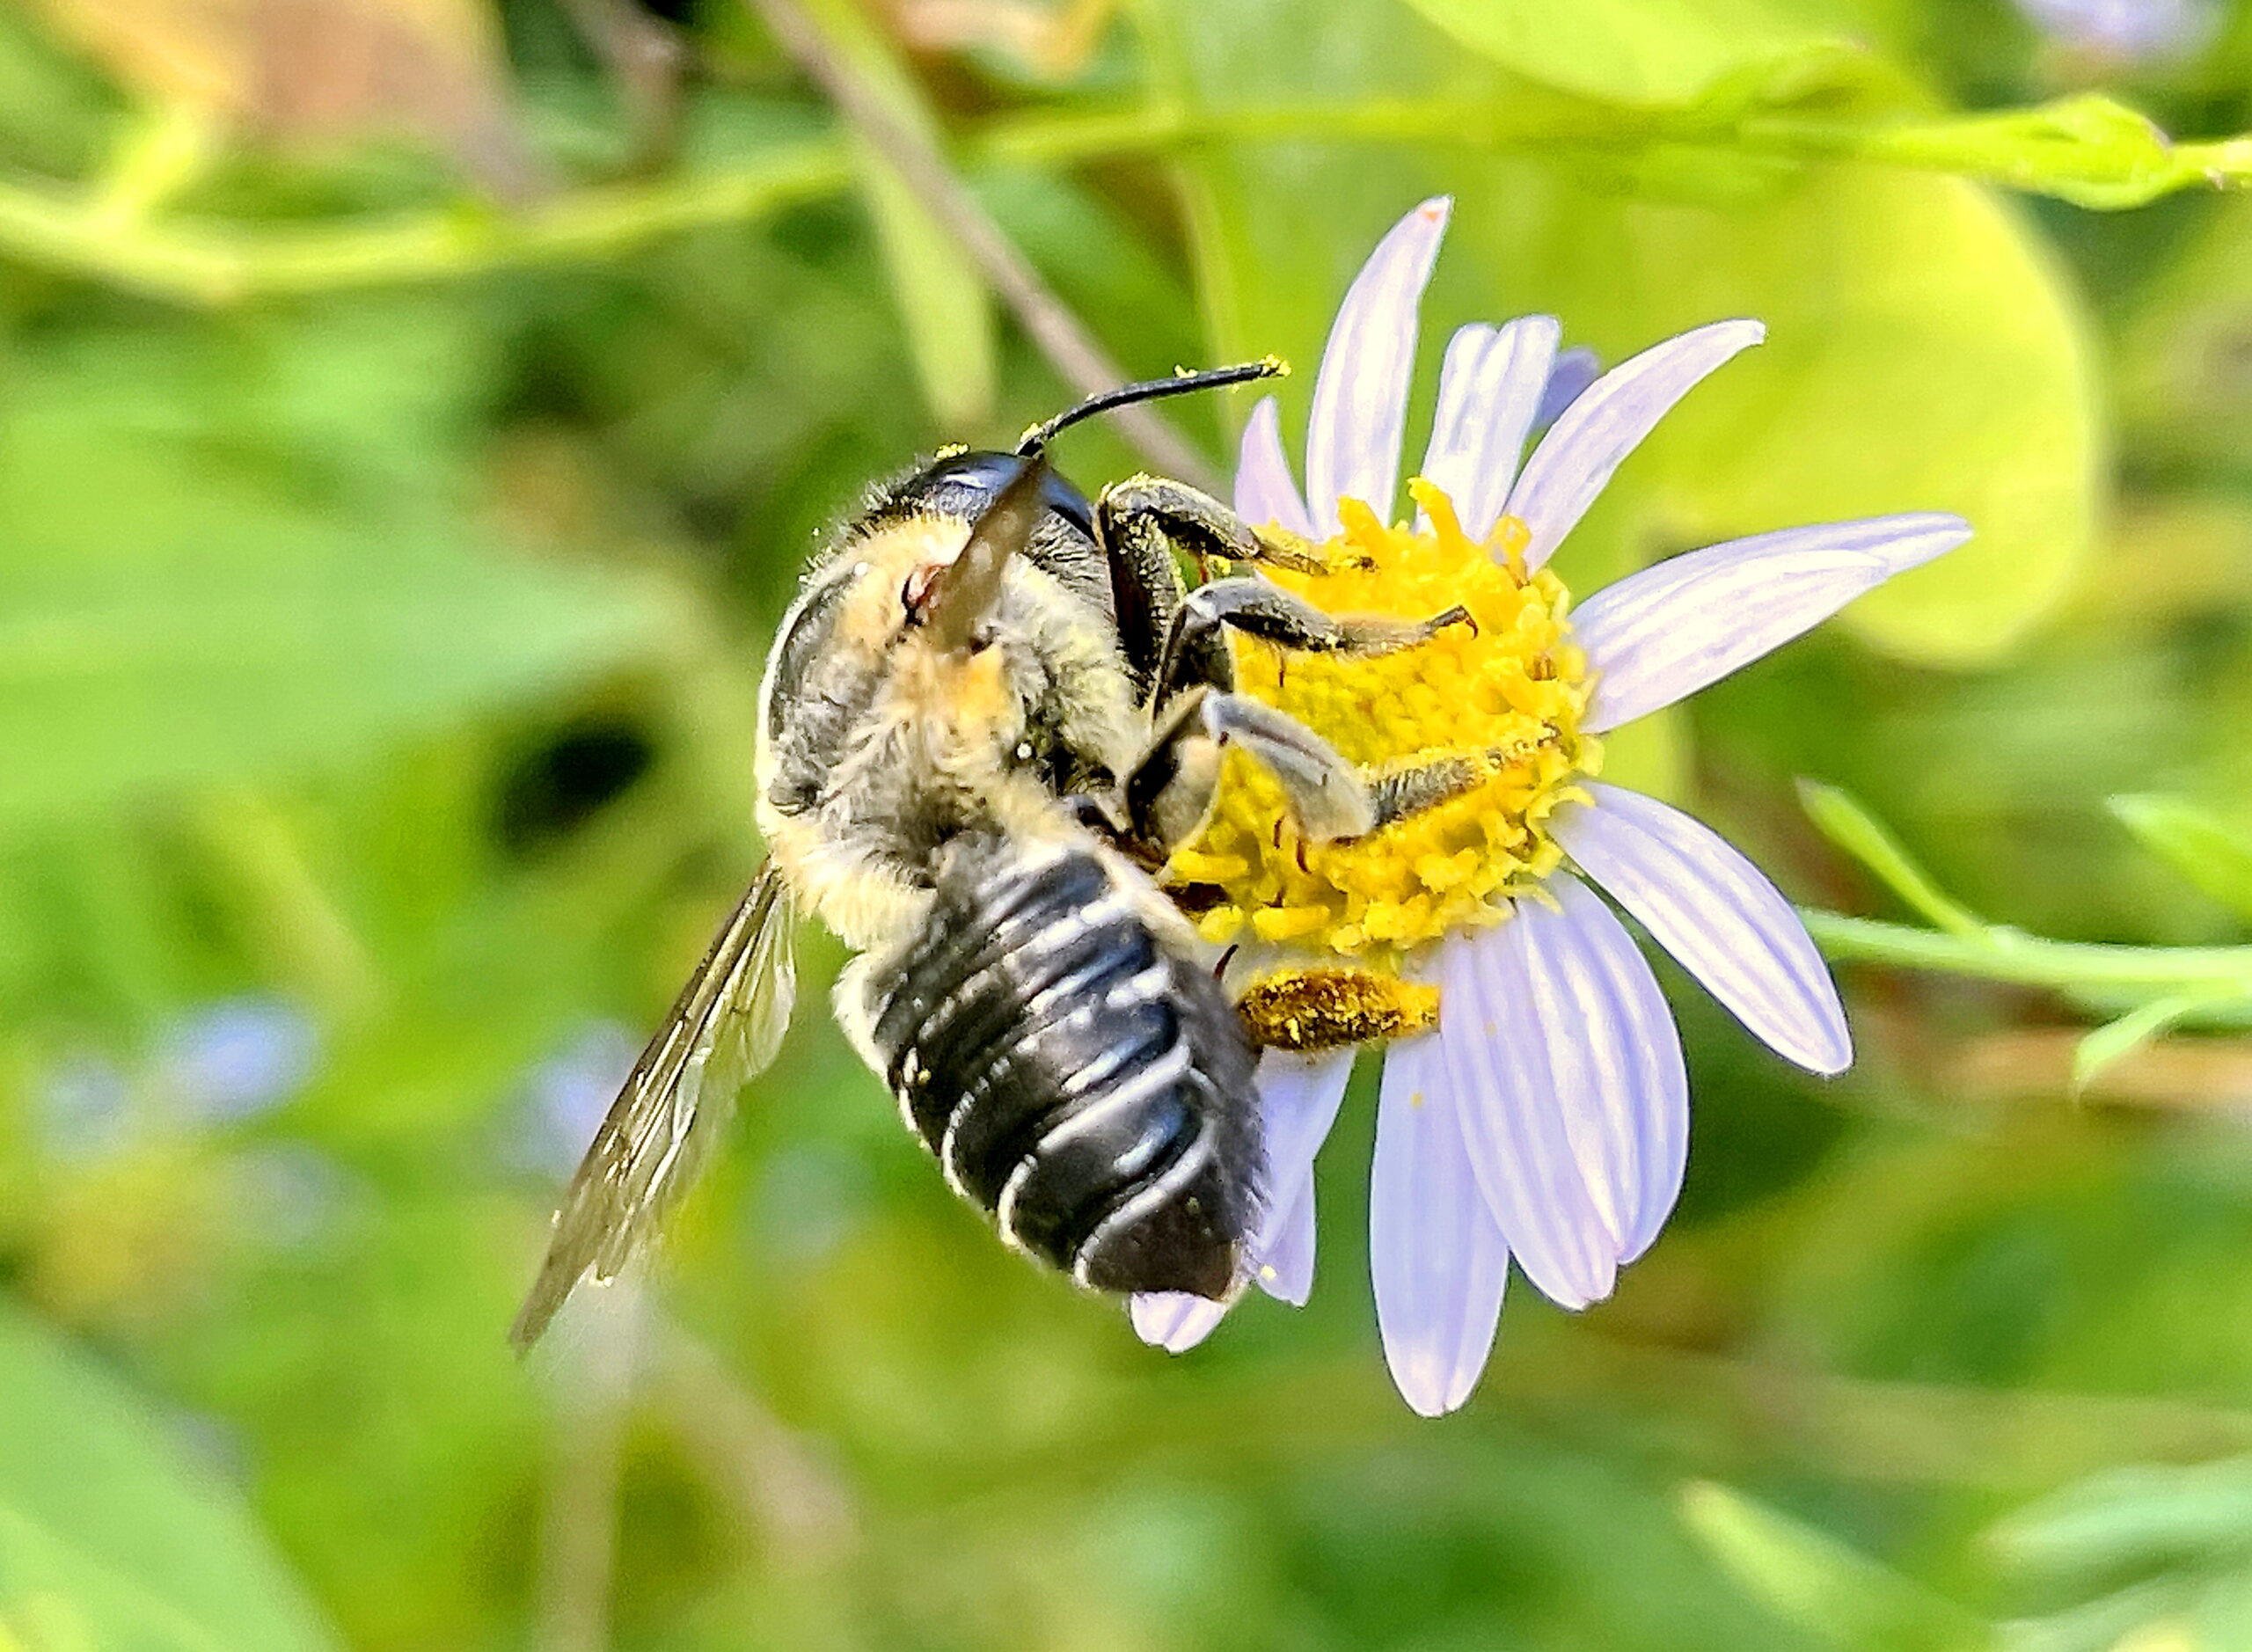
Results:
<point x="1075" y="1077"/>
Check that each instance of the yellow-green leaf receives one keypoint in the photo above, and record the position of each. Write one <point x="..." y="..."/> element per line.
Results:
<point x="1924" y="353"/>
<point x="1839" y="1596"/>
<point x="941" y="296"/>
<point x="1636" y="51"/>
<point x="109" y="1535"/>
<point x="2200" y="847"/>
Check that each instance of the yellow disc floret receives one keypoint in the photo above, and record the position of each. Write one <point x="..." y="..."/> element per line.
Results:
<point x="1498" y="701"/>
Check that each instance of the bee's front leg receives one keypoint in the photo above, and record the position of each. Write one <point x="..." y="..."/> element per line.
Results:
<point x="1141" y="524"/>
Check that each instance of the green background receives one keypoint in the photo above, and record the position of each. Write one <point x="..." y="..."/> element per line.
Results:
<point x="401" y="467"/>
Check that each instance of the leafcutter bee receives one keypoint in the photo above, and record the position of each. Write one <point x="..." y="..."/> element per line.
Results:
<point x="993" y="710"/>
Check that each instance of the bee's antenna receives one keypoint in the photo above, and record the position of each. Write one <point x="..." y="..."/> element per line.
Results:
<point x="1151" y="389"/>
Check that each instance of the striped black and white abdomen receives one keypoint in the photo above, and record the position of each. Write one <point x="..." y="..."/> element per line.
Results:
<point x="1076" y="1075"/>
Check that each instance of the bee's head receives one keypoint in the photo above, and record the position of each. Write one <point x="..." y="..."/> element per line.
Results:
<point x="952" y="600"/>
<point x="917" y="603"/>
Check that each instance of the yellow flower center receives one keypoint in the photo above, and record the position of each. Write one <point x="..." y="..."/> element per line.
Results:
<point x="1499" y="699"/>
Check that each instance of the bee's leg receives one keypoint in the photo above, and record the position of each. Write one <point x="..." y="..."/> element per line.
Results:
<point x="1140" y="523"/>
<point x="1197" y="651"/>
<point x="1405" y="792"/>
<point x="1168" y="793"/>
<point x="1197" y="523"/>
<point x="1399" y="794"/>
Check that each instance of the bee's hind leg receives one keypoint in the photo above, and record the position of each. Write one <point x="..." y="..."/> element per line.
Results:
<point x="1168" y="793"/>
<point x="1197" y="650"/>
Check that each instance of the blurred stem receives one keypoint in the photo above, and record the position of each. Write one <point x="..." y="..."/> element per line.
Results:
<point x="1071" y="347"/>
<point x="799" y="1505"/>
<point x="214" y="263"/>
<point x="288" y="915"/>
<point x="2092" y="152"/>
<point x="594" y="1371"/>
<point x="2208" y="973"/>
<point x="160" y="152"/>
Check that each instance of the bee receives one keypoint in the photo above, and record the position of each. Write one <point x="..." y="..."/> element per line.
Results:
<point x="993" y="710"/>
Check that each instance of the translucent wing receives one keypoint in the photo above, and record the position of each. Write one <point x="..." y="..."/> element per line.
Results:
<point x="724" y="1028"/>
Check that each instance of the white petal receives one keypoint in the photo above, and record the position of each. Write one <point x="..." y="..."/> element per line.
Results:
<point x="1607" y="422"/>
<point x="1491" y="1040"/>
<point x="1264" y="490"/>
<point x="1661" y="635"/>
<point x="1714" y="911"/>
<point x="1436" y="1257"/>
<point x="1286" y="1269"/>
<point x="1299" y="1097"/>
<point x="1175" y="1320"/>
<point x="1576" y="370"/>
<point x="1577" y="1110"/>
<point x="1490" y="390"/>
<point x="1360" y="397"/>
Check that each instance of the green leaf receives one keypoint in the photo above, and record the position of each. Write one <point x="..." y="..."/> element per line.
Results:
<point x="109" y="1536"/>
<point x="2209" y="853"/>
<point x="940" y="294"/>
<point x="2130" y="1517"/>
<point x="165" y="617"/>
<point x="2093" y="151"/>
<point x="1833" y="1592"/>
<point x="2115" y="1039"/>
<point x="1637" y="51"/>
<point x="1838" y="816"/>
<point x="1924" y="353"/>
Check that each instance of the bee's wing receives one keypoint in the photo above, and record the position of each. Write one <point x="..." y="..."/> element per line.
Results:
<point x="724" y="1029"/>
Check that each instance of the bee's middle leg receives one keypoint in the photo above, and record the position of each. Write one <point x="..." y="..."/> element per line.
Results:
<point x="1197" y="651"/>
<point x="1168" y="794"/>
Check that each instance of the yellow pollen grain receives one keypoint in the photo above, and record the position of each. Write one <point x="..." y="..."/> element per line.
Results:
<point x="1501" y="696"/>
<point x="1308" y="1010"/>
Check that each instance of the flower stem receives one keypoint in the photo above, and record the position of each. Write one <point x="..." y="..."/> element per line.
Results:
<point x="2217" y="973"/>
<point x="2087" y="151"/>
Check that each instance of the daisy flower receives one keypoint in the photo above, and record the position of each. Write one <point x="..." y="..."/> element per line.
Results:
<point x="1536" y="1109"/>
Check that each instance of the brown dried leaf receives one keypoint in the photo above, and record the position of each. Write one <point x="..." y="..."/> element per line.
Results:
<point x="318" y="71"/>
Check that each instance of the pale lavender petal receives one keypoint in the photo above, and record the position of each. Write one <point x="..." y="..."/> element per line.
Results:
<point x="1492" y="1039"/>
<point x="1627" y="1060"/>
<point x="1576" y="370"/>
<point x="1606" y="423"/>
<point x="1299" y="1098"/>
<point x="1716" y="913"/>
<point x="1265" y="491"/>
<point x="1175" y="1320"/>
<point x="1661" y="635"/>
<point x="1490" y="390"/>
<point x="1437" y="1259"/>
<point x="1579" y="1123"/>
<point x="1286" y="1270"/>
<point x="1360" y="397"/>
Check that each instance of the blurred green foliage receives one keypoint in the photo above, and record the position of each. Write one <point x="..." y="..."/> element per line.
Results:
<point x="378" y="640"/>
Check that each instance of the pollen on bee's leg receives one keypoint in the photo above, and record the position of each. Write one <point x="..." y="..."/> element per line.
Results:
<point x="1492" y="697"/>
<point x="1309" y="1010"/>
